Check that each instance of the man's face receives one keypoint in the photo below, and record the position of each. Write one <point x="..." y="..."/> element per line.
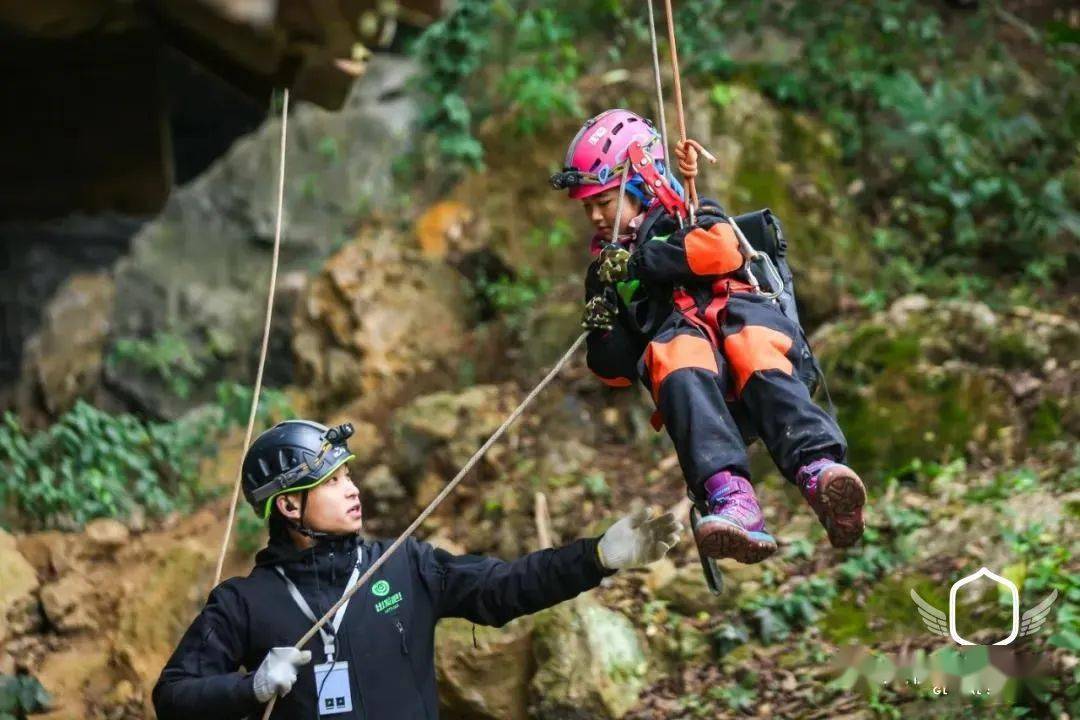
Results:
<point x="333" y="506"/>
<point x="600" y="209"/>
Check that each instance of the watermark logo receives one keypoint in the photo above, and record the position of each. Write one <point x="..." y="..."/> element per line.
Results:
<point x="1028" y="624"/>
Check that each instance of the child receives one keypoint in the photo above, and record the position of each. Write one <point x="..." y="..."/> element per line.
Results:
<point x="671" y="307"/>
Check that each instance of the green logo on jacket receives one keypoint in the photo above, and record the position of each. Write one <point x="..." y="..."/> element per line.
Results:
<point x="381" y="588"/>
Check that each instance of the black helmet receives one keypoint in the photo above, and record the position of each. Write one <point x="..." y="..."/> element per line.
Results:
<point x="293" y="455"/>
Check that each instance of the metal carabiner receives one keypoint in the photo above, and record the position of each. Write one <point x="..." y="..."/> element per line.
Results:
<point x="772" y="275"/>
<point x="752" y="255"/>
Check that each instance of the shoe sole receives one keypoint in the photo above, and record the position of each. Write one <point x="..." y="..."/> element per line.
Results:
<point x="720" y="540"/>
<point x="843" y="495"/>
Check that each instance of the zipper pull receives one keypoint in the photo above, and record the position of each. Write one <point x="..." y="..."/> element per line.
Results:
<point x="401" y="631"/>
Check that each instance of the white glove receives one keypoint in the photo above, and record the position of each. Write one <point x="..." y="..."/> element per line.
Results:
<point x="636" y="540"/>
<point x="277" y="673"/>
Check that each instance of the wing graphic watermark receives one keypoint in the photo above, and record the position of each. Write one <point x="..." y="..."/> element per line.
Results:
<point x="935" y="620"/>
<point x="1034" y="618"/>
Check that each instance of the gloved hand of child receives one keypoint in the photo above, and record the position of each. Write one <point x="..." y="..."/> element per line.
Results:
<point x="277" y="673"/>
<point x="637" y="540"/>
<point x="599" y="314"/>
<point x="614" y="264"/>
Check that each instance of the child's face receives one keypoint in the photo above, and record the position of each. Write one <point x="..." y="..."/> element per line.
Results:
<point x="600" y="209"/>
<point x="333" y="506"/>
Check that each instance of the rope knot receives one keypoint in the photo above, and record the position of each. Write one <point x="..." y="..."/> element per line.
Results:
<point x="686" y="152"/>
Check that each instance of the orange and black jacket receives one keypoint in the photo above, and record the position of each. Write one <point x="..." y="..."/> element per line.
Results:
<point x="665" y="257"/>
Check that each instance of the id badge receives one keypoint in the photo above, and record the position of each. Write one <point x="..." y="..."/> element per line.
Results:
<point x="332" y="684"/>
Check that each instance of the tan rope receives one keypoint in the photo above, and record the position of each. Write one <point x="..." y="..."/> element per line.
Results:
<point x="438" y="499"/>
<point x="265" y="341"/>
<point x="692" y="190"/>
<point x="686" y="152"/>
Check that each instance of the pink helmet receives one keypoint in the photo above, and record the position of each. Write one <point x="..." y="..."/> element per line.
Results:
<point x="594" y="160"/>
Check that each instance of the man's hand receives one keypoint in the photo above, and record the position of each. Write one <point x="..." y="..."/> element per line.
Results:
<point x="637" y="540"/>
<point x="599" y="314"/>
<point x="614" y="264"/>
<point x="277" y="673"/>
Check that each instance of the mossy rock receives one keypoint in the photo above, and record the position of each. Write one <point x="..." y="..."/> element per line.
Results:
<point x="936" y="380"/>
<point x="590" y="663"/>
<point x="888" y="614"/>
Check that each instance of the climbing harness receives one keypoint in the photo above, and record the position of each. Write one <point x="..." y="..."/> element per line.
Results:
<point x="265" y="337"/>
<point x="449" y="488"/>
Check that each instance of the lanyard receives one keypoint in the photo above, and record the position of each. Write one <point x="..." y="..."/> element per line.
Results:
<point x="298" y="598"/>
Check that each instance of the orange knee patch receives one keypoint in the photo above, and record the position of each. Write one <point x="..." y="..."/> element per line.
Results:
<point x="756" y="348"/>
<point x="714" y="251"/>
<point x="682" y="351"/>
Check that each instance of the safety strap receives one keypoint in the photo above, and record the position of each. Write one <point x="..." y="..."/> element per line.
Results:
<point x="298" y="598"/>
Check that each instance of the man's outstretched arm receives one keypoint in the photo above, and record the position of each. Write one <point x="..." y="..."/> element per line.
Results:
<point x="489" y="591"/>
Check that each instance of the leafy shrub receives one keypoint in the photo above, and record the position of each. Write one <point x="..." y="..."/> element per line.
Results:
<point x="21" y="695"/>
<point x="451" y="51"/>
<point x="92" y="464"/>
<point x="166" y="355"/>
<point x="964" y="157"/>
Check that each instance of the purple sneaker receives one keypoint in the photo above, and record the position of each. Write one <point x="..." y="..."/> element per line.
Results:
<point x="837" y="496"/>
<point x="734" y="527"/>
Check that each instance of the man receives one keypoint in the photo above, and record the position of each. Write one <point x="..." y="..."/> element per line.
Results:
<point x="376" y="659"/>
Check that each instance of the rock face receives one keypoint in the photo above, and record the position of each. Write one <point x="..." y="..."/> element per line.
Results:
<point x="18" y="581"/>
<point x="447" y="427"/>
<point x="947" y="378"/>
<point x="486" y="681"/>
<point x="590" y="663"/>
<point x="774" y="158"/>
<point x="201" y="270"/>
<point x="62" y="361"/>
<point x="377" y="317"/>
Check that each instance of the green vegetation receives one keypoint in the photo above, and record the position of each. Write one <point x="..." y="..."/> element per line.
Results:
<point x="91" y="463"/>
<point x="166" y="355"/>
<point x="959" y="126"/>
<point x="21" y="695"/>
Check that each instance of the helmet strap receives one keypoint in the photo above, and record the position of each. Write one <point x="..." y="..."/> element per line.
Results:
<point x="298" y="525"/>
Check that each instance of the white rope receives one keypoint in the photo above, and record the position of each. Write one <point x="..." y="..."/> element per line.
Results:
<point x="265" y="340"/>
<point x="659" y="92"/>
<point x="438" y="499"/>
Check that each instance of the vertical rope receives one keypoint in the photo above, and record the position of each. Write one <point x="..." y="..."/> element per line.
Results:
<point x="659" y="91"/>
<point x="690" y="186"/>
<point x="265" y="339"/>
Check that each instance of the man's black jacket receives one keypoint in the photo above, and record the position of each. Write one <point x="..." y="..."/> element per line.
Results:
<point x="387" y="635"/>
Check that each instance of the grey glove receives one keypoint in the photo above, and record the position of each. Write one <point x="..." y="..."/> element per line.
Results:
<point x="614" y="264"/>
<point x="277" y="673"/>
<point x="599" y="314"/>
<point x="637" y="540"/>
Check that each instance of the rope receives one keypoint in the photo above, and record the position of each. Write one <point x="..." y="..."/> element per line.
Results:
<point x="265" y="340"/>
<point x="686" y="151"/>
<point x="438" y="499"/>
<point x="659" y="86"/>
<point x="678" y="97"/>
